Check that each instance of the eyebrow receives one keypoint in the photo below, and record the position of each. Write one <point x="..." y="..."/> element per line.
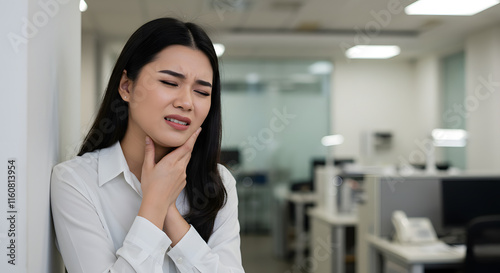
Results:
<point x="181" y="76"/>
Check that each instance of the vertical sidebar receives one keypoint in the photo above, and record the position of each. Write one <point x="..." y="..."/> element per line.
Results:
<point x="13" y="121"/>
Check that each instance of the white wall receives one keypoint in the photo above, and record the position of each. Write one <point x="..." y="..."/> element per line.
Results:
<point x="89" y="93"/>
<point x="402" y="97"/>
<point x="41" y="118"/>
<point x="13" y="115"/>
<point x="374" y="95"/>
<point x="482" y="111"/>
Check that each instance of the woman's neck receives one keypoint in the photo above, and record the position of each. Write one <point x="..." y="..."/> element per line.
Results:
<point x="133" y="149"/>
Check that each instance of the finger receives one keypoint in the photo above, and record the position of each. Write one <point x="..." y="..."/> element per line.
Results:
<point x="187" y="147"/>
<point x="192" y="140"/>
<point x="149" y="154"/>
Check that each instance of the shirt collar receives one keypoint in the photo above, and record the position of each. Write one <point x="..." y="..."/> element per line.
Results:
<point x="111" y="163"/>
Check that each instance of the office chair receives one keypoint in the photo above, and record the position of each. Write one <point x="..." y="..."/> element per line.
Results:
<point x="483" y="245"/>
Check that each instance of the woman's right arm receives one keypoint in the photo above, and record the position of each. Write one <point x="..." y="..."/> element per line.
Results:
<point x="85" y="244"/>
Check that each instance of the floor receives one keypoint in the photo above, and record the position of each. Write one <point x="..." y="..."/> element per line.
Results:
<point x="257" y="256"/>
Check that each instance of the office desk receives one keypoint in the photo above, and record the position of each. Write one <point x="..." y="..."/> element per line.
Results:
<point x="253" y="208"/>
<point x="300" y="200"/>
<point x="412" y="258"/>
<point x="328" y="236"/>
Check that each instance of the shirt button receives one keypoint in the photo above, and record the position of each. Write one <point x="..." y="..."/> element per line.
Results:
<point x="180" y="260"/>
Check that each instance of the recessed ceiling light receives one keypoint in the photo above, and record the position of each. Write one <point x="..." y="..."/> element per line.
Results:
<point x="219" y="49"/>
<point x="332" y="140"/>
<point x="449" y="7"/>
<point x="372" y="51"/>
<point x="320" y="68"/>
<point x="83" y="6"/>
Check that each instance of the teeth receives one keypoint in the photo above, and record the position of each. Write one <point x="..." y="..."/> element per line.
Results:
<point x="177" y="121"/>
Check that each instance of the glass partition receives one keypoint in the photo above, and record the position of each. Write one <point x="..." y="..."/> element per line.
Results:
<point x="453" y="97"/>
<point x="275" y="113"/>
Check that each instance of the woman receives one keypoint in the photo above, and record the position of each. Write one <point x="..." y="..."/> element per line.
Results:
<point x="145" y="193"/>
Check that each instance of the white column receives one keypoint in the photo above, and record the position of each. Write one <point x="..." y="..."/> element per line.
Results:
<point x="40" y="75"/>
<point x="480" y="108"/>
<point x="428" y="108"/>
<point x="428" y="85"/>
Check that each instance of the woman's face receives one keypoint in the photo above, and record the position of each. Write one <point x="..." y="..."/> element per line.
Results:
<point x="171" y="96"/>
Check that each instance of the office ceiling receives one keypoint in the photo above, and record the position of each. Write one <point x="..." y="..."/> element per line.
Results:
<point x="295" y="28"/>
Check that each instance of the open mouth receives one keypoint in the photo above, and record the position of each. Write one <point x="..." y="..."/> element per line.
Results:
<point x="177" y="121"/>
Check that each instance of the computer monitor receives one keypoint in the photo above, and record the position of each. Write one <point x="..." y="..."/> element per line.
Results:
<point x="230" y="157"/>
<point x="465" y="198"/>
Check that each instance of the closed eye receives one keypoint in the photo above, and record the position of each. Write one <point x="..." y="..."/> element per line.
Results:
<point x="202" y="93"/>
<point x="169" y="83"/>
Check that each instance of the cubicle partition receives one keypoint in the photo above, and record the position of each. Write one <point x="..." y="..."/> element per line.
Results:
<point x="417" y="196"/>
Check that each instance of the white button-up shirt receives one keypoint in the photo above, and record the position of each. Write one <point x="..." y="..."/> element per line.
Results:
<point x="95" y="201"/>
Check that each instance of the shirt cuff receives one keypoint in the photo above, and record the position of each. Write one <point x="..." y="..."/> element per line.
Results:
<point x="144" y="240"/>
<point x="190" y="249"/>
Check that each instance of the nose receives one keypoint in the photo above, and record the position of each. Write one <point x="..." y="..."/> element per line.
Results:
<point x="184" y="100"/>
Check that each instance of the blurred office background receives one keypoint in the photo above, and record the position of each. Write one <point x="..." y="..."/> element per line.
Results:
<point x="287" y="82"/>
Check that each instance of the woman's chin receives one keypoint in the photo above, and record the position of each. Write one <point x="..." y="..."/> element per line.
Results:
<point x="171" y="143"/>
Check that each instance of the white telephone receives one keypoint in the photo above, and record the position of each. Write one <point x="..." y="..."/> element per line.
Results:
<point x="412" y="230"/>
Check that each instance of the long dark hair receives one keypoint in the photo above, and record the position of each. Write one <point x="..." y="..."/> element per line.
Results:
<point x="205" y="190"/>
